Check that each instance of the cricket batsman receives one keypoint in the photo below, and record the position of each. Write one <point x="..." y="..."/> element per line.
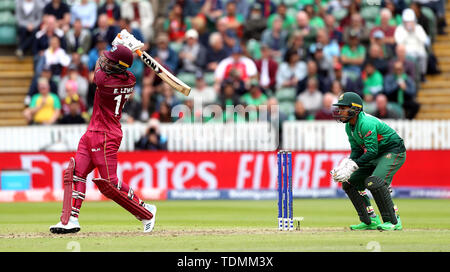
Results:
<point x="377" y="153"/>
<point x="98" y="147"/>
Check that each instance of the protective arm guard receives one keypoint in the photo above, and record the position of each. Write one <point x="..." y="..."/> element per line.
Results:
<point x="127" y="201"/>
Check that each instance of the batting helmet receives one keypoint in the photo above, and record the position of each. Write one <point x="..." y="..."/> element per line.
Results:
<point x="118" y="59"/>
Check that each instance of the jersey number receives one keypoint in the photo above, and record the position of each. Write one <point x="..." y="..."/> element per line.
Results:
<point x="118" y="98"/>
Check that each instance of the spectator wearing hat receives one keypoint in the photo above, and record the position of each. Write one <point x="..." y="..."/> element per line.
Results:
<point x="235" y="66"/>
<point x="330" y="49"/>
<point x="311" y="98"/>
<point x="291" y="70"/>
<point x="29" y="17"/>
<point x="276" y="38"/>
<point x="349" y="84"/>
<point x="378" y="38"/>
<point x="164" y="53"/>
<point x="352" y="56"/>
<point x="413" y="37"/>
<point x="267" y="69"/>
<point x="73" y="110"/>
<point x="86" y="11"/>
<point x="400" y="88"/>
<point x="193" y="54"/>
<point x="372" y="80"/>
<point x="255" y="24"/>
<point x="61" y="11"/>
<point x="45" y="107"/>
<point x="215" y="52"/>
<point x="73" y="116"/>
<point x="385" y="27"/>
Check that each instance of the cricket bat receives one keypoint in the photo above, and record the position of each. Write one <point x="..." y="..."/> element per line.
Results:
<point x="165" y="75"/>
<point x="125" y="37"/>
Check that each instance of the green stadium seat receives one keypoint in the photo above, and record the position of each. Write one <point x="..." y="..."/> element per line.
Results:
<point x="254" y="49"/>
<point x="7" y="5"/>
<point x="397" y="108"/>
<point x="209" y="78"/>
<point x="369" y="13"/>
<point x="432" y="24"/>
<point x="188" y="78"/>
<point x="286" y="95"/>
<point x="8" y="35"/>
<point x="7" y="18"/>
<point x="287" y="108"/>
<point x="340" y="14"/>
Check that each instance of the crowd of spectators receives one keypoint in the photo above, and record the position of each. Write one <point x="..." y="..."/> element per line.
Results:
<point x="299" y="55"/>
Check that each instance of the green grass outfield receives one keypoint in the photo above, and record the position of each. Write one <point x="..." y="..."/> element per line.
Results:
<point x="224" y="226"/>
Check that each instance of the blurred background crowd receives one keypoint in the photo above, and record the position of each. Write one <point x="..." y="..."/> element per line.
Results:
<point x="299" y="55"/>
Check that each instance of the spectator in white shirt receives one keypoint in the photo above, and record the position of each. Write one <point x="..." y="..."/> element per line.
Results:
<point x="413" y="37"/>
<point x="312" y="98"/>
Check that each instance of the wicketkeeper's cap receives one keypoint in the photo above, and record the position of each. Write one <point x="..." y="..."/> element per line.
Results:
<point x="120" y="54"/>
<point x="350" y="99"/>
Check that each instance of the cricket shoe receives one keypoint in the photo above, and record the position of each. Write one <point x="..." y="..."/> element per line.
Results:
<point x="72" y="226"/>
<point x="149" y="224"/>
<point x="375" y="222"/>
<point x="390" y="226"/>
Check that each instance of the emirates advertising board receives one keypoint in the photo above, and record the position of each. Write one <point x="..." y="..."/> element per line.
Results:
<point x="215" y="175"/>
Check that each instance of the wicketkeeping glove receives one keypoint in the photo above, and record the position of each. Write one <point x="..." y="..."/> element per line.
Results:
<point x="345" y="169"/>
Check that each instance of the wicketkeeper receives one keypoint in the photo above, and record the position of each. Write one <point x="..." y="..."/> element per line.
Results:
<point x="377" y="152"/>
<point x="98" y="147"/>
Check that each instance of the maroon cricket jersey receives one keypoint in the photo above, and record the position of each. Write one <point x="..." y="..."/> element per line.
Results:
<point x="111" y="94"/>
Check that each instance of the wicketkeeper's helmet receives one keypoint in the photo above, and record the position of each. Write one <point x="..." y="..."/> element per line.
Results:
<point x="351" y="100"/>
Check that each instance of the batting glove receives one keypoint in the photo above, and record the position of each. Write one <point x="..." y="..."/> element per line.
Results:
<point x="126" y="39"/>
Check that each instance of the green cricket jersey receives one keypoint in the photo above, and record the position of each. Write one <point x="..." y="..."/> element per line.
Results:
<point x="371" y="138"/>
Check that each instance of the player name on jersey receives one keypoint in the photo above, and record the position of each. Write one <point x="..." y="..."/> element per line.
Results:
<point x="123" y="90"/>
